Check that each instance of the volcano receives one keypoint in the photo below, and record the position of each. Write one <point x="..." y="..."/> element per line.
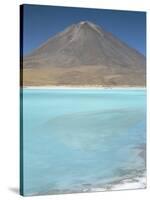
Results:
<point x="84" y="54"/>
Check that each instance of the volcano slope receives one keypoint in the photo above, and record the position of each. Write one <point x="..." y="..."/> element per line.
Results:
<point x="84" y="54"/>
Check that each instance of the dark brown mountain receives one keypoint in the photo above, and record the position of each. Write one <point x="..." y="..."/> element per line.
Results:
<point x="84" y="54"/>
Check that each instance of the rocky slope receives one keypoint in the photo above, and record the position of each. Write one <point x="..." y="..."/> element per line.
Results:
<point x="84" y="54"/>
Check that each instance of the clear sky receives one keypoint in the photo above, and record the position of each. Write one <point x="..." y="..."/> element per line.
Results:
<point x="42" y="22"/>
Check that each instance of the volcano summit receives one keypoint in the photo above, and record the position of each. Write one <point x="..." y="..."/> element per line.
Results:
<point x="84" y="54"/>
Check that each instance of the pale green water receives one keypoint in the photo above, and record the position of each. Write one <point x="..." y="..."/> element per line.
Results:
<point x="75" y="140"/>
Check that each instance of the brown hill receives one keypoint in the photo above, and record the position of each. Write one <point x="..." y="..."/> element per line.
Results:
<point x="84" y="54"/>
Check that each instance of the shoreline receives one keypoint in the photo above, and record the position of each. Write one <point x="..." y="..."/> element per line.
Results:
<point x="135" y="183"/>
<point x="127" y="184"/>
<point x="84" y="87"/>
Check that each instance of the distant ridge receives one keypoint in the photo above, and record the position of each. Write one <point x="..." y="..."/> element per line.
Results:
<point x="84" y="54"/>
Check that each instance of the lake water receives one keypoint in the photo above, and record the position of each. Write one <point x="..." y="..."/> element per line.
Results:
<point x="78" y="140"/>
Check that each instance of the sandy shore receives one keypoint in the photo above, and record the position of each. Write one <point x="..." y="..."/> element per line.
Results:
<point x="127" y="184"/>
<point x="82" y="87"/>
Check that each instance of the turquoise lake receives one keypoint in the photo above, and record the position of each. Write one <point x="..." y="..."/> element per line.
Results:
<point x="75" y="140"/>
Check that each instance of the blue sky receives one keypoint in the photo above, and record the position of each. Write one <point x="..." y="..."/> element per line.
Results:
<point x="42" y="22"/>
